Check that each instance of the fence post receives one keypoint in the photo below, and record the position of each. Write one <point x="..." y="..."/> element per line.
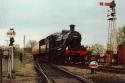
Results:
<point x="0" y="65"/>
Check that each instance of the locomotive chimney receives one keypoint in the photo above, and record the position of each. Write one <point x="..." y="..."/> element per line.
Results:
<point x="72" y="27"/>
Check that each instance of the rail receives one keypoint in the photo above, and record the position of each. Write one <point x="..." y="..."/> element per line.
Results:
<point x="75" y="76"/>
<point x="47" y="71"/>
<point x="43" y="75"/>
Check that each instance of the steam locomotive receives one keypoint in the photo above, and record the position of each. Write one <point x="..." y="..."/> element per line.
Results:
<point x="63" y="47"/>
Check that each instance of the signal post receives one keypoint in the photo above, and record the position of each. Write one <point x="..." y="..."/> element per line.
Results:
<point x="11" y="73"/>
<point x="111" y="43"/>
<point x="0" y="65"/>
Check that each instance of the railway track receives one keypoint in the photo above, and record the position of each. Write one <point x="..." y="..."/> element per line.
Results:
<point x="52" y="74"/>
<point x="112" y="70"/>
<point x="43" y="76"/>
<point x="103" y="69"/>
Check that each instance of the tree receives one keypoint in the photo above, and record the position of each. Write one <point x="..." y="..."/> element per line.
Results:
<point x="121" y="35"/>
<point x="31" y="44"/>
<point x="98" y="49"/>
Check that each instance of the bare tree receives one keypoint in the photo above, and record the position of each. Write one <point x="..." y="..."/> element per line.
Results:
<point x="98" y="49"/>
<point x="31" y="43"/>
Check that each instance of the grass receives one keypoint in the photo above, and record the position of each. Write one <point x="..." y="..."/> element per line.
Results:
<point x="22" y="69"/>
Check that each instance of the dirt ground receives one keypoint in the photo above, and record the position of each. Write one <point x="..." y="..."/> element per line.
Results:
<point x="99" y="77"/>
<point x="26" y="74"/>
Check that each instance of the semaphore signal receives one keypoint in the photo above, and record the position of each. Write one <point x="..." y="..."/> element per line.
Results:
<point x="11" y="72"/>
<point x="111" y="43"/>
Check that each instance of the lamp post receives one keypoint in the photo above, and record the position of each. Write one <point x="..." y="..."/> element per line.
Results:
<point x="11" y="73"/>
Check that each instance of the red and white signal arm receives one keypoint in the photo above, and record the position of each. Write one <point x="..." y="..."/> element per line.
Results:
<point x="11" y="33"/>
<point x="105" y="3"/>
<point x="93" y="64"/>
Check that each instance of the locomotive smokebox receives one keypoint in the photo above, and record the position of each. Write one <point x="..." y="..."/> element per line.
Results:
<point x="72" y="27"/>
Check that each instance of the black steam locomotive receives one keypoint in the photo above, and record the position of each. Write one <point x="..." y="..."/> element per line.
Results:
<point x="64" y="47"/>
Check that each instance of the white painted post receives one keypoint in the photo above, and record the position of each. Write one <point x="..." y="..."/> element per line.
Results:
<point x="12" y="58"/>
<point x="1" y="65"/>
<point x="11" y="33"/>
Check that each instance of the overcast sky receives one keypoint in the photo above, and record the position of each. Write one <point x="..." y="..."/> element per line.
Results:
<point x="37" y="19"/>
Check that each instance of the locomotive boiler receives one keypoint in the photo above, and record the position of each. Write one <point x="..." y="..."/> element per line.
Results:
<point x="63" y="47"/>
